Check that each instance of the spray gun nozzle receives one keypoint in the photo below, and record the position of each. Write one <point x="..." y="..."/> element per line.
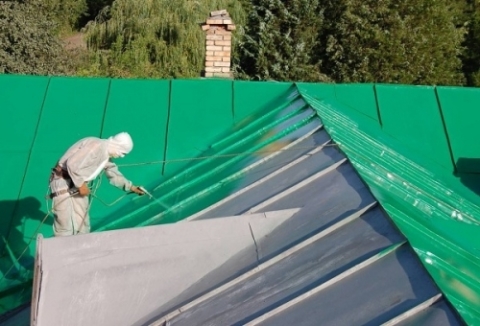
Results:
<point x="146" y="192"/>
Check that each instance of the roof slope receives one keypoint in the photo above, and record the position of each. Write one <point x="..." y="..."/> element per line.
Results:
<point x="435" y="209"/>
<point x="203" y="155"/>
<point x="330" y="252"/>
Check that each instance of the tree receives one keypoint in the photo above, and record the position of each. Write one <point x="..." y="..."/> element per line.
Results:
<point x="69" y="14"/>
<point x="280" y="37"/>
<point x="409" y="41"/>
<point x="160" y="38"/>
<point x="27" y="41"/>
<point x="471" y="54"/>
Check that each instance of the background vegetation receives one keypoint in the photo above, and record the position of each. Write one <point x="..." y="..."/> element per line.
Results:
<point x="391" y="41"/>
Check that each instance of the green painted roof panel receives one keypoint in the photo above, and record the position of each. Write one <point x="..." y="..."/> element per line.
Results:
<point x="203" y="110"/>
<point x="461" y="109"/>
<point x="359" y="97"/>
<point x="411" y="115"/>
<point x="19" y="119"/>
<point x="140" y="107"/>
<point x="262" y="95"/>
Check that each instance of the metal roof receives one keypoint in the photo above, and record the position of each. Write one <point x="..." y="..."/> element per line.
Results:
<point x="260" y="151"/>
<point x="338" y="261"/>
<point x="334" y="257"/>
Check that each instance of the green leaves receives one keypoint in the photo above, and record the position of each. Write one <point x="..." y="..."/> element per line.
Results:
<point x="280" y="40"/>
<point x="390" y="41"/>
<point x="158" y="38"/>
<point x="27" y="41"/>
<point x="410" y="42"/>
<point x="471" y="53"/>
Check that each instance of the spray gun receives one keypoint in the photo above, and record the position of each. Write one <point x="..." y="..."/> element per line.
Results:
<point x="145" y="192"/>
<point x="158" y="201"/>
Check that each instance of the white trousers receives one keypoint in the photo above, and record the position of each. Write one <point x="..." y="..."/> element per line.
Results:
<point x="70" y="212"/>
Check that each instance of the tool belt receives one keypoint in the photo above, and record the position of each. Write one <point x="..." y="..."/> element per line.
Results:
<point x="62" y="192"/>
<point x="57" y="171"/>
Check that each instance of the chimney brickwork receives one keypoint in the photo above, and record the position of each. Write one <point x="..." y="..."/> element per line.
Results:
<point x="219" y="27"/>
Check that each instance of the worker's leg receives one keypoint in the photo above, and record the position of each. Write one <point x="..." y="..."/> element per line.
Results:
<point x="63" y="215"/>
<point x="62" y="208"/>
<point x="81" y="222"/>
<point x="70" y="215"/>
<point x="70" y="212"/>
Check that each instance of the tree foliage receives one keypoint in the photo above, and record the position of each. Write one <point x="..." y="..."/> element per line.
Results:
<point x="158" y="38"/>
<point x="471" y="54"/>
<point x="409" y="41"/>
<point x="67" y="13"/>
<point x="28" y="44"/>
<point x="391" y="41"/>
<point x="280" y="37"/>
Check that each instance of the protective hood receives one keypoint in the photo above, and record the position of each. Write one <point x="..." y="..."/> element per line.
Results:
<point x="119" y="145"/>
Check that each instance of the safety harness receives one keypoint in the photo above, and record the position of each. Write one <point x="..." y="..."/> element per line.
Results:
<point x="58" y="172"/>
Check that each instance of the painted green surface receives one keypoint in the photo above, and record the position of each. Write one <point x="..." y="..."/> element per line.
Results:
<point x="402" y="152"/>
<point x="262" y="95"/>
<point x="17" y="133"/>
<point x="461" y="109"/>
<point x="411" y="115"/>
<point x="19" y="115"/>
<point x="358" y="97"/>
<point x="204" y="108"/>
<point x="436" y="212"/>
<point x="141" y="108"/>
<point x="216" y="173"/>
<point x="21" y="111"/>
<point x="72" y="109"/>
<point x="323" y="91"/>
<point x="68" y="115"/>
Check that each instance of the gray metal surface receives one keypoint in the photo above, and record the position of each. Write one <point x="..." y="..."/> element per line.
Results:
<point x="437" y="314"/>
<point x="320" y="209"/>
<point x="302" y="271"/>
<point x="328" y="192"/>
<point x="280" y="176"/>
<point x="127" y="277"/>
<point x="372" y="296"/>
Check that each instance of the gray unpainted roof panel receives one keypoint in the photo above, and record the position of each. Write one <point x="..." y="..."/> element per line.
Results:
<point x="371" y="296"/>
<point x="285" y="177"/>
<point x="384" y="290"/>
<point x="302" y="271"/>
<point x="125" y="277"/>
<point x="438" y="314"/>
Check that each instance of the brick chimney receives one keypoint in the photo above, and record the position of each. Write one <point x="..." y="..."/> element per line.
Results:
<point x="219" y="27"/>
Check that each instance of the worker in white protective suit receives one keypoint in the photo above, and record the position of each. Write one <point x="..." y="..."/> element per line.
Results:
<point x="82" y="163"/>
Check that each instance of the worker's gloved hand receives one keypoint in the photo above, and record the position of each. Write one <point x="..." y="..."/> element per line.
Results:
<point x="137" y="190"/>
<point x="84" y="190"/>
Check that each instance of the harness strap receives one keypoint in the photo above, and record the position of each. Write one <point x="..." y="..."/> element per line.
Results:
<point x="58" y="193"/>
<point x="58" y="172"/>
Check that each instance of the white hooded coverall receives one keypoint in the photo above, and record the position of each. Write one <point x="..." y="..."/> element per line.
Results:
<point x="84" y="161"/>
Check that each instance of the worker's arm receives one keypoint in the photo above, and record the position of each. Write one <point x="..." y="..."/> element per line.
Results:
<point x="84" y="164"/>
<point x="117" y="179"/>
